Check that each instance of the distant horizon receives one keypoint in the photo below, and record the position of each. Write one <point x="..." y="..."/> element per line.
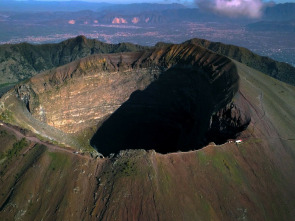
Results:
<point x="134" y="1"/>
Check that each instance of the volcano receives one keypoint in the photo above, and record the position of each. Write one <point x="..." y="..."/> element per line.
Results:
<point x="164" y="121"/>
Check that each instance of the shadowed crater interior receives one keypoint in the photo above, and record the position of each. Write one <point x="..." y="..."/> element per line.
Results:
<point x="173" y="113"/>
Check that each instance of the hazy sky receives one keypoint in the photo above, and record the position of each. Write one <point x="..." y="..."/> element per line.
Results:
<point x="161" y="1"/>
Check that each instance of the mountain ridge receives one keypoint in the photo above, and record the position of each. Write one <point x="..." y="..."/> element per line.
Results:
<point x="278" y="70"/>
<point x="22" y="61"/>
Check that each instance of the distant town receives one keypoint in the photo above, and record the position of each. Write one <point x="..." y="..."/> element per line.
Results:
<point x="149" y="24"/>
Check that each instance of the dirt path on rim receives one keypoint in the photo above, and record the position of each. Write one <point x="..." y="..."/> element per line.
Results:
<point x="36" y="140"/>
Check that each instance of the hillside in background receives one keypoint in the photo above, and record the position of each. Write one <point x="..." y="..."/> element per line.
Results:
<point x="279" y="12"/>
<point x="277" y="26"/>
<point x="279" y="70"/>
<point x="40" y="22"/>
<point x="22" y="61"/>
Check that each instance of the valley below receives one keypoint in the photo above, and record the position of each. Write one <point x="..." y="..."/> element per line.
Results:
<point x="270" y="35"/>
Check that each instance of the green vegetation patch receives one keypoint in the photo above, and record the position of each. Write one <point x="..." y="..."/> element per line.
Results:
<point x="6" y="116"/>
<point x="127" y="168"/>
<point x="165" y="179"/>
<point x="2" y="156"/>
<point x="225" y="164"/>
<point x="3" y="133"/>
<point x="58" y="161"/>
<point x="17" y="147"/>
<point x="6" y="85"/>
<point x="6" y="142"/>
<point x="203" y="159"/>
<point x="7" y="156"/>
<point x="31" y="157"/>
<point x="229" y="168"/>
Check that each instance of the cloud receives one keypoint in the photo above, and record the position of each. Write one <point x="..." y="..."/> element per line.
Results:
<point x="233" y="8"/>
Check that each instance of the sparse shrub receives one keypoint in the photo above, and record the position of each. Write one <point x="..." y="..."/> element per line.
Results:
<point x="128" y="168"/>
<point x="3" y="133"/>
<point x="6" y="116"/>
<point x="17" y="147"/>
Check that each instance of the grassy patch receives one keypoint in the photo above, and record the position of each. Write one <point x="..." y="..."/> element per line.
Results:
<point x="6" y="85"/>
<point x="228" y="167"/>
<point x="202" y="157"/>
<point x="6" y="116"/>
<point x="165" y="180"/>
<point x="30" y="158"/>
<point x="206" y="209"/>
<point x="2" y="156"/>
<point x="58" y="161"/>
<point x="7" y="156"/>
<point x="3" y="133"/>
<point x="254" y="141"/>
<point x="47" y="140"/>
<point x="127" y="168"/>
<point x="17" y="147"/>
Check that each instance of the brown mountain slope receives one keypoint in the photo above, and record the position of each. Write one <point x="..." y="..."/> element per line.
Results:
<point x="279" y="70"/>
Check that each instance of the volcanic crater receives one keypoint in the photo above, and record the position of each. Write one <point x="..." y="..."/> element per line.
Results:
<point x="178" y="97"/>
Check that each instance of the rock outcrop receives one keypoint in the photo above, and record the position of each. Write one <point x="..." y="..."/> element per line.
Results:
<point x="229" y="121"/>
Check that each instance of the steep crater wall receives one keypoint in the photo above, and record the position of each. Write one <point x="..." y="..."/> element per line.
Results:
<point x="77" y="96"/>
<point x="173" y="113"/>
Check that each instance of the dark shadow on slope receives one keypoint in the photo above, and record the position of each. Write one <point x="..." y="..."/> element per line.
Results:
<point x="172" y="113"/>
<point x="229" y="121"/>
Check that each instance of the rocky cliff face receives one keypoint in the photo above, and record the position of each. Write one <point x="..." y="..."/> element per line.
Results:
<point x="229" y="121"/>
<point x="83" y="93"/>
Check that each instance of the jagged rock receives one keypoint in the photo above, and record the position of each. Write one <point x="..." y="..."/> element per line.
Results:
<point x="229" y="121"/>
